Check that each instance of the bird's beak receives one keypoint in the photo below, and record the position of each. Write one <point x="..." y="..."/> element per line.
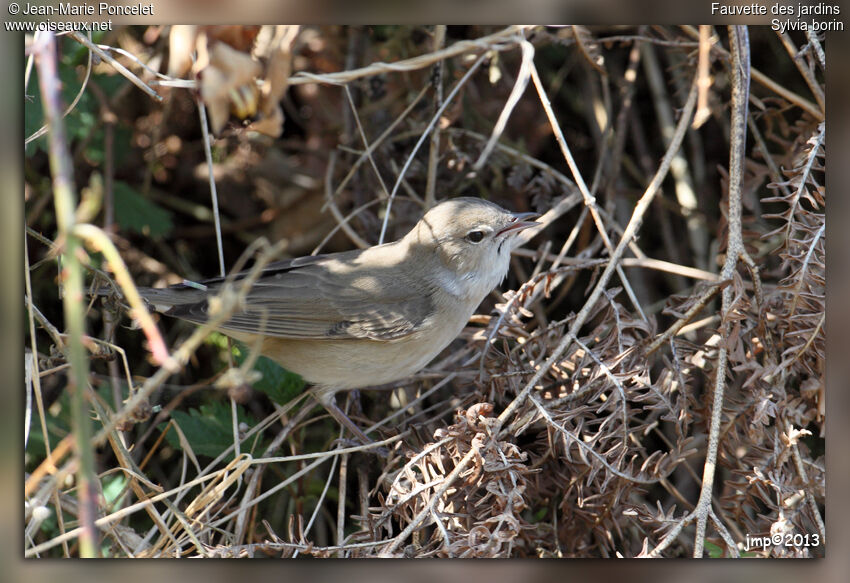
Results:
<point x="519" y="222"/>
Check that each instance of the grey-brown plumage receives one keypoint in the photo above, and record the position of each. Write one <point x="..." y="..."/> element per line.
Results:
<point x="371" y="316"/>
<point x="316" y="297"/>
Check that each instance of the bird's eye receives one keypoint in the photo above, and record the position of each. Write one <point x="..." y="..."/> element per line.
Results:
<point x="475" y="236"/>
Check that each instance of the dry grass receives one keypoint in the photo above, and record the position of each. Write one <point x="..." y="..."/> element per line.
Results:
<point x="652" y="384"/>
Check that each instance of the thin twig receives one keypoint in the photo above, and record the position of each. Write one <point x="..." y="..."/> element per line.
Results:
<point x="434" y="153"/>
<point x="511" y="102"/>
<point x="807" y="74"/>
<point x="375" y="143"/>
<point x="704" y="82"/>
<point x="671" y="536"/>
<point x="740" y="65"/>
<point x="115" y="64"/>
<point x="368" y="152"/>
<point x="766" y="81"/>
<point x="804" y="478"/>
<point x="685" y="191"/>
<point x="502" y="40"/>
<point x="330" y="202"/>
<point x="628" y="233"/>
<point x="435" y="118"/>
<point x="43" y="129"/>
<point x="589" y="199"/>
<point x="697" y="307"/>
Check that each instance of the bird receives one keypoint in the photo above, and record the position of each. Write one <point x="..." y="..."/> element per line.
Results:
<point x="372" y="316"/>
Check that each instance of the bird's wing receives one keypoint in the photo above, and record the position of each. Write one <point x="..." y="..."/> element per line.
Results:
<point x="312" y="298"/>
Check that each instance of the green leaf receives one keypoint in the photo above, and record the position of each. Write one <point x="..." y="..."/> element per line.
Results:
<point x="218" y="340"/>
<point x="714" y="551"/>
<point x="136" y="213"/>
<point x="95" y="150"/>
<point x="539" y="515"/>
<point x="209" y="429"/>
<point x="113" y="487"/>
<point x="78" y="123"/>
<point x="279" y="384"/>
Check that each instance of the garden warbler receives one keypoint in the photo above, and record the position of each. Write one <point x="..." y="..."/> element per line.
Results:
<point x="370" y="316"/>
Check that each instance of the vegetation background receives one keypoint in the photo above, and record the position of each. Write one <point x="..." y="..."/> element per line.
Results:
<point x="580" y="414"/>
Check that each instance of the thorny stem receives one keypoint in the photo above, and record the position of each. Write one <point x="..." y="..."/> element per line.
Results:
<point x="740" y="65"/>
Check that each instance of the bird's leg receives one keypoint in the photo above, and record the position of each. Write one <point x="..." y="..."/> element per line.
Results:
<point x="327" y="399"/>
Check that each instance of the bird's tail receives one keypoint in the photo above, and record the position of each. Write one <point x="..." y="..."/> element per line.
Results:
<point x="163" y="299"/>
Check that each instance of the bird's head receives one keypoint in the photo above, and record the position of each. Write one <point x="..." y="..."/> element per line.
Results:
<point x="472" y="239"/>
